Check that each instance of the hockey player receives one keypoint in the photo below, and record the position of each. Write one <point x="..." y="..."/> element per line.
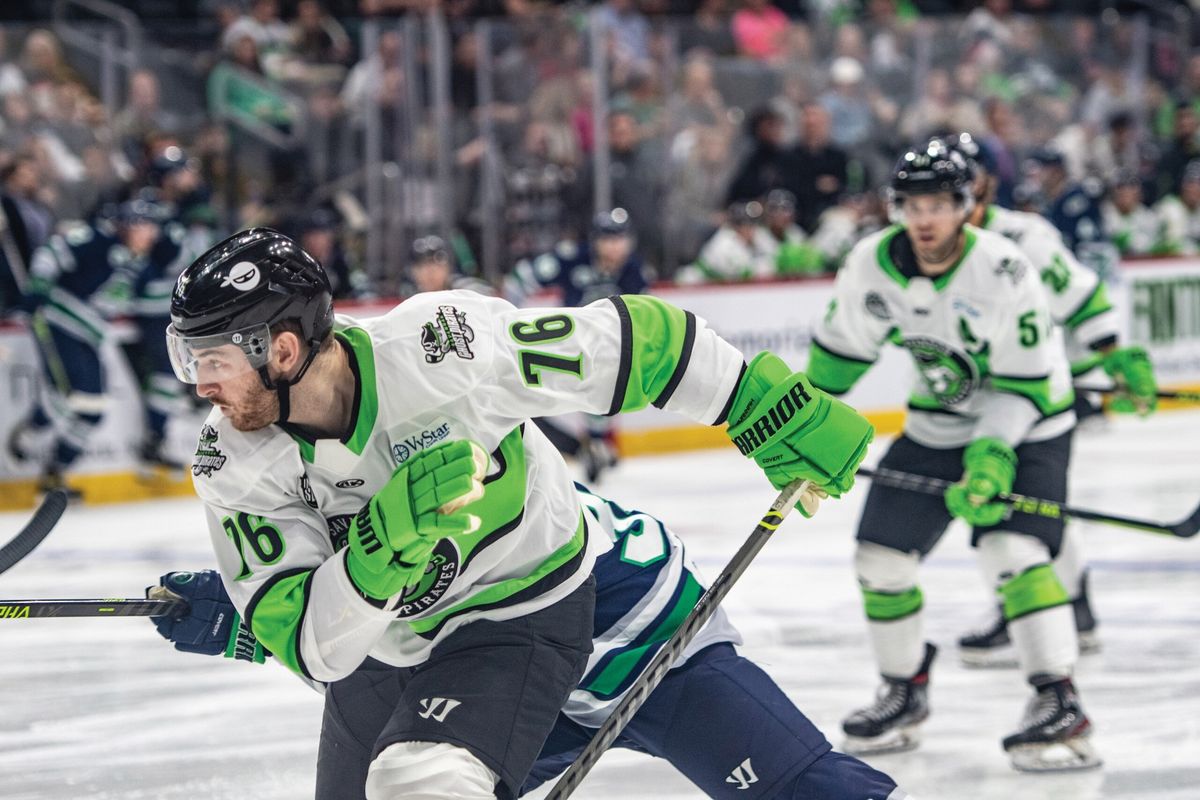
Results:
<point x="182" y="240"/>
<point x="1181" y="212"/>
<point x="1079" y="303"/>
<point x="431" y="268"/>
<point x="1074" y="208"/>
<point x="741" y="249"/>
<point x="605" y="265"/>
<point x="714" y="697"/>
<point x="991" y="409"/>
<point x="1133" y="227"/>
<point x="79" y="282"/>
<point x="377" y="501"/>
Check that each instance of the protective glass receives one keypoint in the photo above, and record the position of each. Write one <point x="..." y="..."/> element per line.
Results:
<point x="218" y="358"/>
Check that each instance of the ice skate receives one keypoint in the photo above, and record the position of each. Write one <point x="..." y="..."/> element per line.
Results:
<point x="890" y="725"/>
<point x="1053" y="736"/>
<point x="989" y="647"/>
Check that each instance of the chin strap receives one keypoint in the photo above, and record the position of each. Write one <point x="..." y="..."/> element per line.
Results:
<point x="282" y="387"/>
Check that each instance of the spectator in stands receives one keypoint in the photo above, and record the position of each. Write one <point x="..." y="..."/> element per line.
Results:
<point x="708" y="30"/>
<point x="271" y="35"/>
<point x="143" y="112"/>
<point x="317" y="37"/>
<point x="377" y="80"/>
<point x="768" y="165"/>
<point x="700" y="171"/>
<point x="760" y="30"/>
<point x="23" y="183"/>
<point x="1108" y="93"/>
<point x="642" y="99"/>
<point x="12" y="80"/>
<point x="319" y="238"/>
<point x="820" y="167"/>
<point x="628" y="32"/>
<point x="1135" y="229"/>
<point x="847" y="103"/>
<point x="1119" y="151"/>
<point x="938" y="109"/>
<point x="741" y="249"/>
<point x="699" y="101"/>
<point x="42" y="59"/>
<point x="1180" y="212"/>
<point x="1183" y="147"/>
<point x="638" y="174"/>
<point x="1002" y="140"/>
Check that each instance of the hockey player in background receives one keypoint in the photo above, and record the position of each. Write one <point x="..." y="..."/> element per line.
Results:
<point x="1079" y="303"/>
<point x="702" y="718"/>
<point x="378" y="502"/>
<point x="1180" y="212"/>
<point x="741" y="249"/>
<point x="582" y="272"/>
<point x="990" y="410"/>
<point x="431" y="268"/>
<point x="1074" y="208"/>
<point x="79" y="282"/>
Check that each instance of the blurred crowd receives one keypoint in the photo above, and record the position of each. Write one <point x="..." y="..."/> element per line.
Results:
<point x="745" y="139"/>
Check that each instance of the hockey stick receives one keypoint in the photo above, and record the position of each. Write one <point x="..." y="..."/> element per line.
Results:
<point x="654" y="672"/>
<point x="1184" y="529"/>
<point x="1162" y="394"/>
<point x="116" y="607"/>
<point x="37" y="529"/>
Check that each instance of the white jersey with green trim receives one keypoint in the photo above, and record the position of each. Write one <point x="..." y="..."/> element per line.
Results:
<point x="440" y="367"/>
<point x="1078" y="298"/>
<point x="1181" y="226"/>
<point x="989" y="360"/>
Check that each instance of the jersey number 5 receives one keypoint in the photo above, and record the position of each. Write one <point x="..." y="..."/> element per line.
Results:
<point x="263" y="538"/>
<point x="545" y="330"/>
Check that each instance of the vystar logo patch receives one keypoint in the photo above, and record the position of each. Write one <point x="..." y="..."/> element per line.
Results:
<point x="447" y="333"/>
<point x="208" y="458"/>
<point x="243" y="276"/>
<point x="411" y="445"/>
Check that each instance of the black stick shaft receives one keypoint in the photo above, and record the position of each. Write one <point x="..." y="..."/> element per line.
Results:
<point x="1033" y="505"/>
<point x="654" y="672"/>
<point x="116" y="607"/>
<point x="1161" y="394"/>
<point x="37" y="529"/>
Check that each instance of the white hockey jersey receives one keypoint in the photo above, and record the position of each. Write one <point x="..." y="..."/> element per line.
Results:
<point x="439" y="367"/>
<point x="1181" y="226"/>
<point x="1078" y="298"/>
<point x="989" y="359"/>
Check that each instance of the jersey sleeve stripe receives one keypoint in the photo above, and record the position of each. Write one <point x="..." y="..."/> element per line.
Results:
<point x="275" y="614"/>
<point x="626" y="355"/>
<point x="685" y="358"/>
<point x="724" y="415"/>
<point x="1096" y="303"/>
<point x="833" y="372"/>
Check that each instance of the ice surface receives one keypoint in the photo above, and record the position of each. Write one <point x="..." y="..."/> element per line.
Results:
<point x="105" y="709"/>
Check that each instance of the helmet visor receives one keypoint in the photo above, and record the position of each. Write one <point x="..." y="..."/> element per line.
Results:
<point x="218" y="358"/>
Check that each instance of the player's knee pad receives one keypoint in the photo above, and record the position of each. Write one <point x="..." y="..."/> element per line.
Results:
<point x="888" y="579"/>
<point x="1020" y="569"/>
<point x="429" y="771"/>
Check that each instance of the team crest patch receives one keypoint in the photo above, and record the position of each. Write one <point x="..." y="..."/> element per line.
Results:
<point x="209" y="457"/>
<point x="447" y="333"/>
<point x="339" y="530"/>
<point x="876" y="306"/>
<point x="950" y="375"/>
<point x="439" y="574"/>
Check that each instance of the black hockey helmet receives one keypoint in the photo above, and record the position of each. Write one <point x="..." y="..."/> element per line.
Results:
<point x="931" y="169"/>
<point x="233" y="294"/>
<point x="611" y="223"/>
<point x="976" y="153"/>
<point x="780" y="200"/>
<point x="425" y="248"/>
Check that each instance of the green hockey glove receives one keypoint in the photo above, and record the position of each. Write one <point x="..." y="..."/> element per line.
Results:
<point x="393" y="536"/>
<point x="793" y="430"/>
<point x="989" y="466"/>
<point x="1133" y="373"/>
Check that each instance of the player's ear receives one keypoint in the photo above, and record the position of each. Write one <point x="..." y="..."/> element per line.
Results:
<point x="287" y="352"/>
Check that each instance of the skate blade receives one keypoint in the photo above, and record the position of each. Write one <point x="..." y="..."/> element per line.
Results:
<point x="900" y="740"/>
<point x="1071" y="755"/>
<point x="989" y="658"/>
